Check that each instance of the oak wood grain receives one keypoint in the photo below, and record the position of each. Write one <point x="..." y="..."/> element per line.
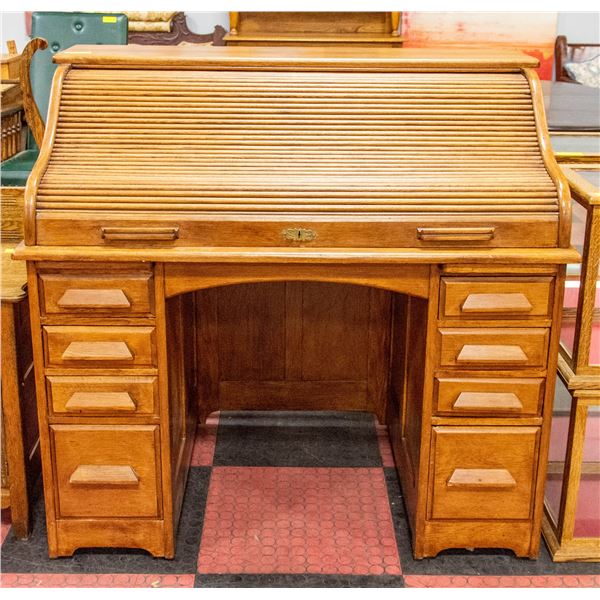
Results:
<point x="481" y="297"/>
<point x="98" y="395"/>
<point x="494" y="348"/>
<point x="481" y="479"/>
<point x="484" y="473"/>
<point x="494" y="401"/>
<point x="76" y="298"/>
<point x="107" y="470"/>
<point x="100" y="401"/>
<point x="339" y="223"/>
<point x="104" y="475"/>
<point x="93" y="345"/>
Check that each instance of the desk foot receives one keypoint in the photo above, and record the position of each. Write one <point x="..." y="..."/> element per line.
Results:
<point x="145" y="534"/>
<point x="469" y="535"/>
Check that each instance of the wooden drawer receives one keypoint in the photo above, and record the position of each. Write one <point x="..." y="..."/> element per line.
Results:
<point x="107" y="471"/>
<point x="345" y="229"/>
<point x="93" y="346"/>
<point x="494" y="348"/>
<point x="484" y="472"/>
<point x="123" y="294"/>
<point x="509" y="297"/>
<point x="102" y="395"/>
<point x="499" y="397"/>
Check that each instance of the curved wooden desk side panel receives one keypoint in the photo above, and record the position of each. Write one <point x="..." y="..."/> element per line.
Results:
<point x="554" y="170"/>
<point x="465" y="202"/>
<point x="29" y="223"/>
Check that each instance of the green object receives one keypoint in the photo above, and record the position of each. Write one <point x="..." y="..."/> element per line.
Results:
<point x="16" y="170"/>
<point x="61" y="30"/>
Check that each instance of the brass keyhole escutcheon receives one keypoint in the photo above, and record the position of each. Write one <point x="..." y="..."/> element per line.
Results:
<point x="299" y="234"/>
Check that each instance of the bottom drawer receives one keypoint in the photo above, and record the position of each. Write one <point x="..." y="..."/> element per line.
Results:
<point x="106" y="471"/>
<point x="484" y="472"/>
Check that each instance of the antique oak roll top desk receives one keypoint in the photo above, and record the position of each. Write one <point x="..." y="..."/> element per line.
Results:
<point x="165" y="171"/>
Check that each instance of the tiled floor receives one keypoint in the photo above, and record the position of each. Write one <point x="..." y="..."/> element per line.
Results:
<point x="287" y="500"/>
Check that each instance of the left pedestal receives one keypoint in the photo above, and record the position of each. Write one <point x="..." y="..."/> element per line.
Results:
<point x="113" y="432"/>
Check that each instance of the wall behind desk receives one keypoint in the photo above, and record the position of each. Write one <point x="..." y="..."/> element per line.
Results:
<point x="533" y="32"/>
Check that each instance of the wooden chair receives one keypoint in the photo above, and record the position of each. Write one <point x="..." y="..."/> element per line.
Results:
<point x="12" y="117"/>
<point x="565" y="53"/>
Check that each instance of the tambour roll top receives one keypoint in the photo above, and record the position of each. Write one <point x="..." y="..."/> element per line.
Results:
<point x="279" y="147"/>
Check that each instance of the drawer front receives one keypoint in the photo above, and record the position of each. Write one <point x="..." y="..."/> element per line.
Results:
<point x="476" y="298"/>
<point x="106" y="471"/>
<point x="102" y="395"/>
<point x="93" y="346"/>
<point x="484" y="472"/>
<point x="392" y="230"/>
<point x="121" y="294"/>
<point x="494" y="348"/>
<point x="489" y="397"/>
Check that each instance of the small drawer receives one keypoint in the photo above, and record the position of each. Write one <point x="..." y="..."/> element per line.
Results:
<point x="514" y="298"/>
<point x="484" y="472"/>
<point x="96" y="396"/>
<point x="107" y="471"/>
<point x="494" y="348"/>
<point x="122" y="294"/>
<point x="92" y="346"/>
<point x="500" y="397"/>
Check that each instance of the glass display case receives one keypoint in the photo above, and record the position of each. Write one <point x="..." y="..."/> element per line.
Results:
<point x="572" y="501"/>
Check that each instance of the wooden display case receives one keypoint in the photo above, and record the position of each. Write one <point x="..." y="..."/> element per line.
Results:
<point x="571" y="524"/>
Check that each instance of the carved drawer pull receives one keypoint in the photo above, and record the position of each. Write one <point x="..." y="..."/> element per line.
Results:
<point x="455" y="234"/>
<point x="486" y="354"/>
<point x="496" y="303"/>
<point x="97" y="351"/>
<point x="95" y="401"/>
<point x="487" y="401"/>
<point x="478" y="479"/>
<point x="117" y="475"/>
<point x="140" y="234"/>
<point x="76" y="298"/>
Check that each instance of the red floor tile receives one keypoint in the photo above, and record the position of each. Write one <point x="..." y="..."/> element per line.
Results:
<point x="204" y="444"/>
<point x="385" y="449"/>
<point x="5" y="524"/>
<point x="298" y="520"/>
<point x="490" y="581"/>
<point x="89" y="580"/>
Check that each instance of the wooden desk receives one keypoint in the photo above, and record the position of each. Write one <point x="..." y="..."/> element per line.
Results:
<point x="426" y="175"/>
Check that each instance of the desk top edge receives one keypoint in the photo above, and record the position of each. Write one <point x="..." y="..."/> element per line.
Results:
<point x="132" y="56"/>
<point x="299" y="255"/>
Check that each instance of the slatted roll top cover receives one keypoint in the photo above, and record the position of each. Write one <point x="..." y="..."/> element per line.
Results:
<point x="283" y="147"/>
